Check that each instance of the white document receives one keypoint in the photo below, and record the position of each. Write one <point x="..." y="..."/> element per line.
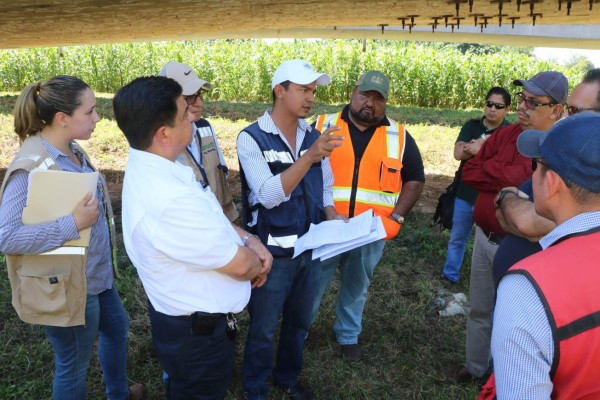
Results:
<point x="330" y="250"/>
<point x="53" y="194"/>
<point x="336" y="231"/>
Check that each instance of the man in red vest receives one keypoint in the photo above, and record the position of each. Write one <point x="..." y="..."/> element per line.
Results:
<point x="378" y="167"/>
<point x="546" y="336"/>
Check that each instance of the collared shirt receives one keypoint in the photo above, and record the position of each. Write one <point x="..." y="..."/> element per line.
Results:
<point x="16" y="238"/>
<point x="266" y="188"/>
<point x="177" y="236"/>
<point x="522" y="343"/>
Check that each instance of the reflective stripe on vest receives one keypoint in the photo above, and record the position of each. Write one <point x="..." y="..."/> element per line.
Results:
<point x="283" y="156"/>
<point x="205" y="131"/>
<point x="393" y="147"/>
<point x="366" y="196"/>
<point x="284" y="242"/>
<point x="327" y="121"/>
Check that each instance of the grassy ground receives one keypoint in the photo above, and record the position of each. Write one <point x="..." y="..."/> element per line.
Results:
<point x="406" y="345"/>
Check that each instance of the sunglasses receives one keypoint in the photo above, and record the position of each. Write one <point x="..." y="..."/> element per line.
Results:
<point x="576" y="110"/>
<point x="530" y="101"/>
<point x="191" y="99"/>
<point x="499" y="106"/>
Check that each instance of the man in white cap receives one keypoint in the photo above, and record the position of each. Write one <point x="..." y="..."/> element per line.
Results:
<point x="286" y="186"/>
<point x="203" y="155"/>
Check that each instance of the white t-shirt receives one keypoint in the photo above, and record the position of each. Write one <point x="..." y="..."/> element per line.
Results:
<point x="176" y="235"/>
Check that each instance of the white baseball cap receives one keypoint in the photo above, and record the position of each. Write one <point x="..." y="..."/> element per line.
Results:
<point x="185" y="76"/>
<point x="299" y="72"/>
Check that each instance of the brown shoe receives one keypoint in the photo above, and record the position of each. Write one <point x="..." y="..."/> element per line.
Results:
<point x="137" y="391"/>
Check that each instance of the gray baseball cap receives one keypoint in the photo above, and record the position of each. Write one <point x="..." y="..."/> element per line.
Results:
<point x="548" y="83"/>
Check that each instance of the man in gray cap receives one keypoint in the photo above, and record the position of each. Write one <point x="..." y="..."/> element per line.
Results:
<point x="498" y="164"/>
<point x="203" y="155"/>
<point x="546" y="336"/>
<point x="378" y="168"/>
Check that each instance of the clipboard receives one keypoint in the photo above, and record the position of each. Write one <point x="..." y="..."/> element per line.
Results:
<point x="54" y="194"/>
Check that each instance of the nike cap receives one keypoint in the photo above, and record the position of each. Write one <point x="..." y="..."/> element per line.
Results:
<point x="185" y="76"/>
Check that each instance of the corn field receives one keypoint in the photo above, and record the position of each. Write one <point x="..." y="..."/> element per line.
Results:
<point x="421" y="74"/>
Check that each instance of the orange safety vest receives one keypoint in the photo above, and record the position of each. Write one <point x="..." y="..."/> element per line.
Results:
<point x="378" y="183"/>
<point x="565" y="277"/>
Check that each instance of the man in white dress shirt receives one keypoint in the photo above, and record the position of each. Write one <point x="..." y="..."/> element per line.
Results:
<point x="196" y="267"/>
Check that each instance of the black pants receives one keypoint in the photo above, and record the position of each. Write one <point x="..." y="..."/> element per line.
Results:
<point x="199" y="367"/>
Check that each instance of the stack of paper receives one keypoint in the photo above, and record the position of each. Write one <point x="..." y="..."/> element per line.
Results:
<point x="330" y="238"/>
<point x="54" y="194"/>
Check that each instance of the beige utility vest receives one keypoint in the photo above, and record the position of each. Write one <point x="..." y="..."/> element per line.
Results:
<point x="207" y="146"/>
<point x="50" y="288"/>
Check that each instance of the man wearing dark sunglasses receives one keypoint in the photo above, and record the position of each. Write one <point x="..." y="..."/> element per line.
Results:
<point x="516" y="213"/>
<point x="498" y="164"/>
<point x="203" y="155"/>
<point x="470" y="139"/>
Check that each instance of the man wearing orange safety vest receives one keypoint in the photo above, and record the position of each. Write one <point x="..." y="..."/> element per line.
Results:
<point x="378" y="167"/>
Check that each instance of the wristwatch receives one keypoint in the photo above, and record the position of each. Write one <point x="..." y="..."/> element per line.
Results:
<point x="399" y="218"/>
<point x="502" y="194"/>
<point x="247" y="237"/>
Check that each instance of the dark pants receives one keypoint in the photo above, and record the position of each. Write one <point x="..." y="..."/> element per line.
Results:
<point x="199" y="367"/>
<point x="291" y="289"/>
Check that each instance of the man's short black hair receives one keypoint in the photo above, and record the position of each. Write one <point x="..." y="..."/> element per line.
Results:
<point x="593" y="76"/>
<point x="500" y="91"/>
<point x="285" y="84"/>
<point x="144" y="105"/>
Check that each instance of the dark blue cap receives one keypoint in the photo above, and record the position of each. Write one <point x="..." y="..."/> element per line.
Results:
<point x="571" y="148"/>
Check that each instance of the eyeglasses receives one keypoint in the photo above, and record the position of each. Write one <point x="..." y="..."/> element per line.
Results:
<point x="575" y="110"/>
<point x="499" y="106"/>
<point x="530" y="101"/>
<point x="191" y="99"/>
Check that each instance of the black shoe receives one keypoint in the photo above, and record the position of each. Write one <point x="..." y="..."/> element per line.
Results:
<point x="298" y="392"/>
<point x="351" y="352"/>
<point x="461" y="374"/>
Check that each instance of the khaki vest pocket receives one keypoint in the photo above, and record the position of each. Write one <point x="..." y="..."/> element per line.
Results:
<point x="44" y="293"/>
<point x="49" y="289"/>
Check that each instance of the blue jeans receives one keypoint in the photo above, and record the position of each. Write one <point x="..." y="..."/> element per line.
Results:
<point x="105" y="318"/>
<point x="462" y="224"/>
<point x="195" y="367"/>
<point x="356" y="273"/>
<point x="290" y="290"/>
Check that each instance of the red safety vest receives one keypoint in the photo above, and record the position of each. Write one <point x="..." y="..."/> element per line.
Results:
<point x="566" y="277"/>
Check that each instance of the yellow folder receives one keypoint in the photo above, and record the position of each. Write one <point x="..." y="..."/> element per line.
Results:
<point x="54" y="194"/>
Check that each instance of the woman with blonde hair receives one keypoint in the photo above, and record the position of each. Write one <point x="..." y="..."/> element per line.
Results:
<point x="69" y="291"/>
